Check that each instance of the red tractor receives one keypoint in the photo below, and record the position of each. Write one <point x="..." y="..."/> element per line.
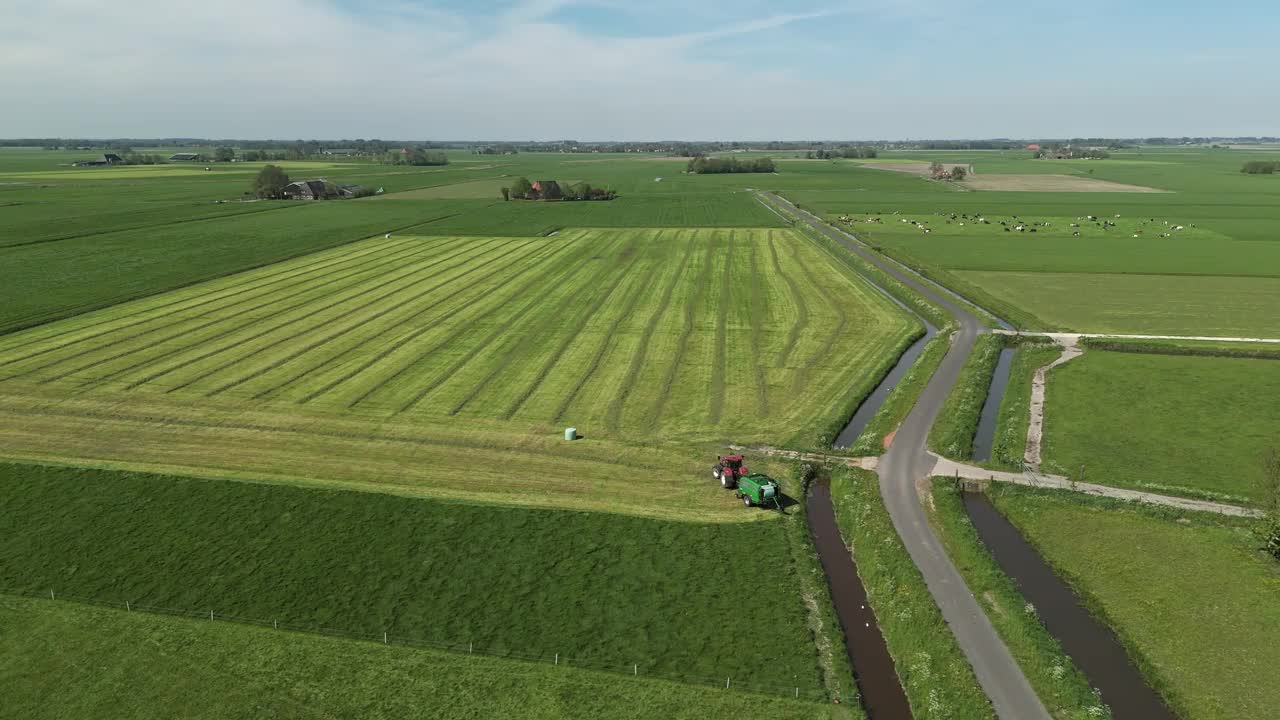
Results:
<point x="728" y="470"/>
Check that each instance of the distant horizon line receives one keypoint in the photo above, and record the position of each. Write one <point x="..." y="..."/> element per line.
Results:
<point x="492" y="141"/>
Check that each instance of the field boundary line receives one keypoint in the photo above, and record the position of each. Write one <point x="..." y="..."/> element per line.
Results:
<point x="148" y="226"/>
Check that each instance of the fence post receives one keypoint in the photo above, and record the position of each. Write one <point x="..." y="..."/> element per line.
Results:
<point x="275" y="624"/>
<point x="557" y="658"/>
<point x="635" y="669"/>
<point x="126" y="606"/>
<point x="210" y="614"/>
<point x="51" y="594"/>
<point x="470" y="647"/>
<point x="726" y="683"/>
<point x="384" y="637"/>
<point x="797" y="693"/>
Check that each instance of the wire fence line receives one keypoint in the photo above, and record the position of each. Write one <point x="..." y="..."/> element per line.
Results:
<point x="727" y="682"/>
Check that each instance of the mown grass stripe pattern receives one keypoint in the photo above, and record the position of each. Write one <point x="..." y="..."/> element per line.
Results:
<point x="729" y="333"/>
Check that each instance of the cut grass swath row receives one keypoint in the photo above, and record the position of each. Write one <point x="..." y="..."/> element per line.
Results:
<point x="38" y="337"/>
<point x="358" y="321"/>
<point x="425" y="327"/>
<point x="614" y="415"/>
<point x="424" y="324"/>
<point x="309" y="293"/>
<point x="530" y="305"/>
<point x="345" y="284"/>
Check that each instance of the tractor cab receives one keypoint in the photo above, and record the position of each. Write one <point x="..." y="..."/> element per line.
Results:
<point x="728" y="470"/>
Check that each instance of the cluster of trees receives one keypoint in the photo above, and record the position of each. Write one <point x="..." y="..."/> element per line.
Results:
<point x="702" y="165"/>
<point x="938" y="171"/>
<point x="1261" y="167"/>
<point x="415" y="156"/>
<point x="136" y="158"/>
<point x="270" y="182"/>
<point x="522" y="189"/>
<point x="847" y="151"/>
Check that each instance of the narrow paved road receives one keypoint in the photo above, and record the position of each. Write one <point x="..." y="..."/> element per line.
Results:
<point x="908" y="461"/>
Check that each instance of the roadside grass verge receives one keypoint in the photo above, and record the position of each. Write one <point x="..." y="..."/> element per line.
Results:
<point x="934" y="672"/>
<point x="1190" y="595"/>
<point x="113" y="663"/>
<point x="902" y="398"/>
<point x="952" y="434"/>
<point x="606" y="589"/>
<point x="1181" y="425"/>
<point x="1009" y="446"/>
<point x="1061" y="686"/>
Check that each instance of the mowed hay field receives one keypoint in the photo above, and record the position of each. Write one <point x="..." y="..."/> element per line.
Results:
<point x="446" y="345"/>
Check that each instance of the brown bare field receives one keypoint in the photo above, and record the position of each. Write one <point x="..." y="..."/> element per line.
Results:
<point x="915" y="168"/>
<point x="1051" y="183"/>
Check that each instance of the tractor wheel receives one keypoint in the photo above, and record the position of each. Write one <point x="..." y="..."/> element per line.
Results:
<point x="716" y="472"/>
<point x="727" y="481"/>
<point x="746" y="500"/>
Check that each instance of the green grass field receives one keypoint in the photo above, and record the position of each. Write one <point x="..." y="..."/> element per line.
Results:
<point x="605" y="589"/>
<point x="139" y="665"/>
<point x="1215" y="276"/>
<point x="727" y="334"/>
<point x="1174" y="424"/>
<point x="1191" y="596"/>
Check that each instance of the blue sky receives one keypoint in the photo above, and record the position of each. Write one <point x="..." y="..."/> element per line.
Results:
<point x="646" y="69"/>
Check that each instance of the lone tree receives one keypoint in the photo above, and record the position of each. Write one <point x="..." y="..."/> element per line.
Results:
<point x="506" y="193"/>
<point x="224" y="154"/>
<point x="521" y="188"/>
<point x="270" y="183"/>
<point x="958" y="173"/>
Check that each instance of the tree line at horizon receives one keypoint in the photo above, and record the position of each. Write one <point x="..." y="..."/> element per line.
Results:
<point x="703" y="165"/>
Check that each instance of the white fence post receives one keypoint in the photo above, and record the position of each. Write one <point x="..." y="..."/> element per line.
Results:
<point x="384" y="637"/>
<point x="126" y="606"/>
<point x="635" y="669"/>
<point x="51" y="594"/>
<point x="726" y="683"/>
<point x="557" y="658"/>
<point x="210" y="614"/>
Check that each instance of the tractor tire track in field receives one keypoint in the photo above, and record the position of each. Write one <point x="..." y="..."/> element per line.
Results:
<point x="563" y="347"/>
<point x="575" y="299"/>
<point x="802" y="372"/>
<point x="718" y="365"/>
<point x="426" y="327"/>
<point x="146" y="226"/>
<point x="569" y="267"/>
<point x="758" y="308"/>
<point x="116" y="328"/>
<point x="262" y="333"/>
<point x="686" y="333"/>
<point x="802" y="307"/>
<point x="458" y="364"/>
<point x="613" y="417"/>
<point x="535" y="259"/>
<point x="361" y="321"/>
<point x="344" y="279"/>
<point x="640" y="290"/>
<point x="185" y="331"/>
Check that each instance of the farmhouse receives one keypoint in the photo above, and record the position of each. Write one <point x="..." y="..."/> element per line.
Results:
<point x="106" y="159"/>
<point x="304" y="190"/>
<point x="184" y="157"/>
<point x="344" y="152"/>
